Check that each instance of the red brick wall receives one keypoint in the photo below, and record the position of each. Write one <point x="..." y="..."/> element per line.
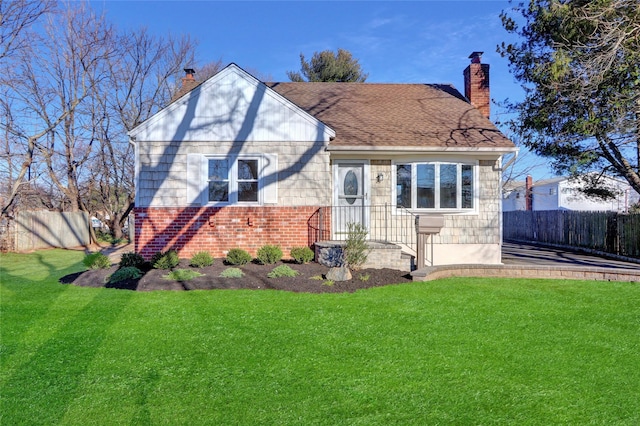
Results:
<point x="218" y="229"/>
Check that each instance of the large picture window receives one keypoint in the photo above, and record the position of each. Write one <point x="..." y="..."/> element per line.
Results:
<point x="435" y="185"/>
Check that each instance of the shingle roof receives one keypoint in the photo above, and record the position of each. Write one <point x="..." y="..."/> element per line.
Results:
<point x="395" y="115"/>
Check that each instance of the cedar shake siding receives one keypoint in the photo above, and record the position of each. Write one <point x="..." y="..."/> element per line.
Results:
<point x="235" y="162"/>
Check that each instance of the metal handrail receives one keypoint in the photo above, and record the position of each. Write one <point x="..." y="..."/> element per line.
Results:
<point x="385" y="223"/>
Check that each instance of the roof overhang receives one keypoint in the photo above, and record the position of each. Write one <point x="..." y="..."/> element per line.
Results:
<point x="359" y="149"/>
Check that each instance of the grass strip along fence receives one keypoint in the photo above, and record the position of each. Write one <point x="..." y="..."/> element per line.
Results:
<point x="455" y="351"/>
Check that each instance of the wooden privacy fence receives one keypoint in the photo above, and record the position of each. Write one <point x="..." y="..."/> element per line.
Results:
<point x="607" y="232"/>
<point x="32" y="230"/>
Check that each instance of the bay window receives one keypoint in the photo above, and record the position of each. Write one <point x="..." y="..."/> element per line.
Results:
<point x="435" y="185"/>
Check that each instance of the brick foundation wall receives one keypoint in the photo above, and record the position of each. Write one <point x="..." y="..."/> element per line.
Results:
<point x="218" y="229"/>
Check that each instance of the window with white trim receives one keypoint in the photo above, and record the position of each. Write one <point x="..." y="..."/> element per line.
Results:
<point x="243" y="179"/>
<point x="435" y="186"/>
<point x="233" y="181"/>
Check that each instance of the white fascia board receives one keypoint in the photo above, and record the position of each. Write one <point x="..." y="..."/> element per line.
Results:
<point x="419" y="149"/>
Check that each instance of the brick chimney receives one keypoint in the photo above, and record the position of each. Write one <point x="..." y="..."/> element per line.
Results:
<point x="188" y="83"/>
<point x="476" y="84"/>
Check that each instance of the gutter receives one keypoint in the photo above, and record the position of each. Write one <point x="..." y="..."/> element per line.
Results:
<point x="359" y="149"/>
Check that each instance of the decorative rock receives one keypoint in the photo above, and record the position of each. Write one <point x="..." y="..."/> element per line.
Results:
<point x="341" y="273"/>
<point x="330" y="255"/>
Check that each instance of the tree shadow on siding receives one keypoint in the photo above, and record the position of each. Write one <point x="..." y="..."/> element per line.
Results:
<point x="198" y="216"/>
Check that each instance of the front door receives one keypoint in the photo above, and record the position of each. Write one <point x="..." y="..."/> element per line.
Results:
<point x="351" y="194"/>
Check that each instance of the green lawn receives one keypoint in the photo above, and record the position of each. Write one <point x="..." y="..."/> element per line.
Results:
<point x="456" y="351"/>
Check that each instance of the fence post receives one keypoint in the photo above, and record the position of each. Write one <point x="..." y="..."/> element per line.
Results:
<point x="611" y="239"/>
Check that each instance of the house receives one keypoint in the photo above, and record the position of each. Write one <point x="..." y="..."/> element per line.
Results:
<point x="235" y="162"/>
<point x="563" y="193"/>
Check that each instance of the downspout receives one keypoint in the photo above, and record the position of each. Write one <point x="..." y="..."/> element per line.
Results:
<point x="136" y="169"/>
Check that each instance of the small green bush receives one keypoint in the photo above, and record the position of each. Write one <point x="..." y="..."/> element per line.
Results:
<point x="132" y="259"/>
<point x="282" y="271"/>
<point x="302" y="254"/>
<point x="268" y="255"/>
<point x="232" y="273"/>
<point x="356" y="250"/>
<point x="182" y="275"/>
<point x="201" y="259"/>
<point x="126" y="273"/>
<point x="96" y="261"/>
<point x="165" y="260"/>
<point x="238" y="256"/>
<point x="106" y="237"/>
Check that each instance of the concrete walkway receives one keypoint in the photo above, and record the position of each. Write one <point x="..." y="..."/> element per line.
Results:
<point x="115" y="252"/>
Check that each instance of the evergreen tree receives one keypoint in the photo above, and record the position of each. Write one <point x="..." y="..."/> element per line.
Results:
<point x="329" y="66"/>
<point x="579" y="64"/>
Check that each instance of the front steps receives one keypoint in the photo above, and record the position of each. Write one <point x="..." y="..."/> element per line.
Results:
<point x="381" y="255"/>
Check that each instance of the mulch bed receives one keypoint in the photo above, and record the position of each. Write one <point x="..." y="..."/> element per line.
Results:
<point x="311" y="279"/>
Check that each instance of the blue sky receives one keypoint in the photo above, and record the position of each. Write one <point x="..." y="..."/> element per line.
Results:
<point x="394" y="41"/>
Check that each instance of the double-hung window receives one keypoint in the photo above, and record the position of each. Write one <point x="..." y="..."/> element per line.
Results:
<point x="228" y="180"/>
<point x="435" y="186"/>
<point x="233" y="180"/>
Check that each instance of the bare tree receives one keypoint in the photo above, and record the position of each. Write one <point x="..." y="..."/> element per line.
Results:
<point x="17" y="18"/>
<point x="71" y="92"/>
<point x="140" y="82"/>
<point x="56" y="71"/>
<point x="17" y="21"/>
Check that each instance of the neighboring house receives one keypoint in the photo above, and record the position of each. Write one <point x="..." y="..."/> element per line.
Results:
<point x="236" y="162"/>
<point x="563" y="193"/>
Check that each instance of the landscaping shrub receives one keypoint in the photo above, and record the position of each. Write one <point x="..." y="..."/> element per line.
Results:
<point x="96" y="261"/>
<point x="356" y="250"/>
<point x="165" y="260"/>
<point x="132" y="259"/>
<point x="302" y="254"/>
<point x="238" y="256"/>
<point x="268" y="254"/>
<point x="182" y="275"/>
<point x="282" y="271"/>
<point x="126" y="273"/>
<point x="232" y="273"/>
<point x="106" y="237"/>
<point x="201" y="259"/>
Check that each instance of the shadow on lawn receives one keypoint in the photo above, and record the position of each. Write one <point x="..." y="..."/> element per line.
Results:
<point x="50" y="377"/>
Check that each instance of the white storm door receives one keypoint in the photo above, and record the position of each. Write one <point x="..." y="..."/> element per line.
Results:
<point x="351" y="193"/>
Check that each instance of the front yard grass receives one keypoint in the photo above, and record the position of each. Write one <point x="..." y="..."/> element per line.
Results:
<point x="455" y="351"/>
